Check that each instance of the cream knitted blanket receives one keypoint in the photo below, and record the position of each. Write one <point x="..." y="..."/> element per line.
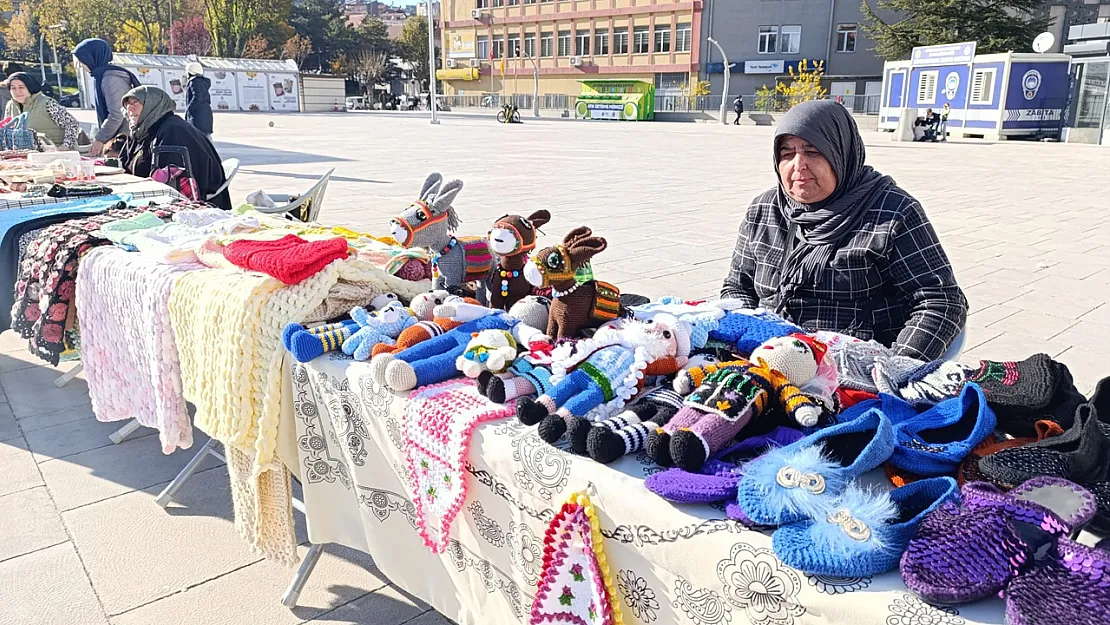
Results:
<point x="127" y="344"/>
<point x="228" y="325"/>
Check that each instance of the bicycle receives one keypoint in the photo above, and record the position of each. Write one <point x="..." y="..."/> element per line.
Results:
<point x="509" y="114"/>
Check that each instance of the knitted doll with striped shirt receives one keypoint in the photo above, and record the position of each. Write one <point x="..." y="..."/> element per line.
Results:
<point x="306" y="344"/>
<point x="734" y="393"/>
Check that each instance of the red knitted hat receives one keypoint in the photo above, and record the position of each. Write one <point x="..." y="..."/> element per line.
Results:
<point x="290" y="259"/>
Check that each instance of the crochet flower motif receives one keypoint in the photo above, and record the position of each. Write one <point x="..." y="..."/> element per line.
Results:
<point x="755" y="580"/>
<point x="909" y="610"/>
<point x="637" y="596"/>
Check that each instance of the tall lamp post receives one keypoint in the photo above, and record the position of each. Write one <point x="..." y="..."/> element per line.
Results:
<point x="53" y="46"/>
<point x="728" y="73"/>
<point x="432" y="64"/>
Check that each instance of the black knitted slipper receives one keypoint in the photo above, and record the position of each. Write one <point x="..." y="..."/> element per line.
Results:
<point x="1022" y="393"/>
<point x="1081" y="454"/>
<point x="1100" y="401"/>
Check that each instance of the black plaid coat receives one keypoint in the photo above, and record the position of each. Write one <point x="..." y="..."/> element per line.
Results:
<point x="891" y="281"/>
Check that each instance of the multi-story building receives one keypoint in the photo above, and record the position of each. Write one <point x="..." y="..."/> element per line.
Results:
<point x="766" y="38"/>
<point x="564" y="41"/>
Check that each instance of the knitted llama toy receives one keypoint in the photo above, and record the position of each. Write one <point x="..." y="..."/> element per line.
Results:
<point x="602" y="373"/>
<point x="511" y="239"/>
<point x="430" y="222"/>
<point x="580" y="301"/>
<point x="733" y="394"/>
<point x="380" y="326"/>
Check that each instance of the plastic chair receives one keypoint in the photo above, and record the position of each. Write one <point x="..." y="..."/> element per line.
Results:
<point x="231" y="167"/>
<point x="957" y="346"/>
<point x="313" y="199"/>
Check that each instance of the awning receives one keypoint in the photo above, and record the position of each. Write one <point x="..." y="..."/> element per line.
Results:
<point x="462" y="73"/>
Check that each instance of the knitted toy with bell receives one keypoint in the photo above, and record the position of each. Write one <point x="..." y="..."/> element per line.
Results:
<point x="489" y="350"/>
<point x="730" y="397"/>
<point x="380" y="326"/>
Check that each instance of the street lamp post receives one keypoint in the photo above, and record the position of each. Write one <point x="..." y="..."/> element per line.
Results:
<point x="432" y="63"/>
<point x="54" y="47"/>
<point x="728" y="73"/>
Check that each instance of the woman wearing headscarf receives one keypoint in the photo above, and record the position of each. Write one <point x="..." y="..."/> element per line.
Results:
<point x="44" y="115"/>
<point x="110" y="83"/>
<point x="838" y="246"/>
<point x="153" y="125"/>
<point x="198" y="103"/>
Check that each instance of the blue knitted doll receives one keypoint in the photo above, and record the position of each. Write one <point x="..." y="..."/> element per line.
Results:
<point x="382" y="326"/>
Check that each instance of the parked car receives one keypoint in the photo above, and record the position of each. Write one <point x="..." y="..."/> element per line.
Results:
<point x="72" y="101"/>
<point x="356" y="103"/>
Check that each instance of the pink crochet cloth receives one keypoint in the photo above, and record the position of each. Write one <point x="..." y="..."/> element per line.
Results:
<point x="127" y="344"/>
<point x="436" y="429"/>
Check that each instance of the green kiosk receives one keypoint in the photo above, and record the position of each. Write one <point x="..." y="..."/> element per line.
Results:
<point x="613" y="98"/>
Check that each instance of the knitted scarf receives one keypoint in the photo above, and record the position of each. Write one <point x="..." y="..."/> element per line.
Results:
<point x="128" y="346"/>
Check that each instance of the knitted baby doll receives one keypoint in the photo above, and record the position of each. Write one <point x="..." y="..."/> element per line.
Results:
<point x="732" y="395"/>
<point x="382" y="326"/>
<point x="306" y="344"/>
<point x="489" y="351"/>
<point x="603" y="373"/>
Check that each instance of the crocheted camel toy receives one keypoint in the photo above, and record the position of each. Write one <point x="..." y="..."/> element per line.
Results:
<point x="430" y="222"/>
<point x="380" y="326"/>
<point x="597" y="376"/>
<point x="306" y="344"/>
<point x="734" y="393"/>
<point x="579" y="301"/>
<point x="511" y="239"/>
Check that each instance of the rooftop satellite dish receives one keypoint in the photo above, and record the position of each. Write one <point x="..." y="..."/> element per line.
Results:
<point x="1043" y="42"/>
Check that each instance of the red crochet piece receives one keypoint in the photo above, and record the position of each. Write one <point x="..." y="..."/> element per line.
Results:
<point x="290" y="259"/>
<point x="850" y="397"/>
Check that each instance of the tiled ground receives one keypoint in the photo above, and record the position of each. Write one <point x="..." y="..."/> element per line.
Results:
<point x="81" y="540"/>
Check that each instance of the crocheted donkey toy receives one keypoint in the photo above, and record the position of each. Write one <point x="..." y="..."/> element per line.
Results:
<point x="430" y="222"/>
<point x="735" y="393"/>
<point x="381" y="326"/>
<point x="580" y="301"/>
<point x="512" y="238"/>
<point x="602" y="373"/>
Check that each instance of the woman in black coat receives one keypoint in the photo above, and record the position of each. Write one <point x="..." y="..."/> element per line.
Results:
<point x="153" y="124"/>
<point x="198" y="104"/>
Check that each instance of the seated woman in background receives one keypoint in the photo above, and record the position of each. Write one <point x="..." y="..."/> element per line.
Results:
<point x="44" y="115"/>
<point x="838" y="246"/>
<point x="153" y="125"/>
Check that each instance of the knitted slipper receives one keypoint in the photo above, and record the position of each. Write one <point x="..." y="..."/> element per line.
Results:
<point x="1022" y="393"/>
<point x="1100" y="401"/>
<point x="934" y="442"/>
<point x="969" y="468"/>
<point x="1071" y="584"/>
<point x="797" y="481"/>
<point x="1081" y="454"/>
<point x="969" y="552"/>
<point x="896" y="409"/>
<point x="862" y="533"/>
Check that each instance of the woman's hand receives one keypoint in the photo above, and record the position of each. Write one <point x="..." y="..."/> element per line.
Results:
<point x="96" y="149"/>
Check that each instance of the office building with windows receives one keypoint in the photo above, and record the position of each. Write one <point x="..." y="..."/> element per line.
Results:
<point x="498" y="46"/>
<point x="764" y="39"/>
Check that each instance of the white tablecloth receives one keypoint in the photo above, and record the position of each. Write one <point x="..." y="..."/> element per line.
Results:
<point x="671" y="564"/>
<point x="142" y="190"/>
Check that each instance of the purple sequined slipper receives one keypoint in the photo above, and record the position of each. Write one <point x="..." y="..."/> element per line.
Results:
<point x="1071" y="585"/>
<point x="968" y="552"/>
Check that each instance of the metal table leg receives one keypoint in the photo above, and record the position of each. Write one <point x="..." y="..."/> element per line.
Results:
<point x="121" y="434"/>
<point x="291" y="596"/>
<point x="167" y="495"/>
<point x="68" y="376"/>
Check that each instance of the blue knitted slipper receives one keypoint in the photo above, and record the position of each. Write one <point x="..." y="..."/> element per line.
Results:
<point x="861" y="533"/>
<point x="937" y="440"/>
<point x="797" y="481"/>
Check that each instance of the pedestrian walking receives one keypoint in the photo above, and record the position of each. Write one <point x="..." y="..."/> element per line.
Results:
<point x="198" y="103"/>
<point x="738" y="108"/>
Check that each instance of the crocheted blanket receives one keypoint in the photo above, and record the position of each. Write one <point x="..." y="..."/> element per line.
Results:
<point x="228" y="326"/>
<point x="128" y="347"/>
<point x="436" y="429"/>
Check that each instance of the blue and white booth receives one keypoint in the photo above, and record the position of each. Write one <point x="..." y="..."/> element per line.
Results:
<point x="992" y="96"/>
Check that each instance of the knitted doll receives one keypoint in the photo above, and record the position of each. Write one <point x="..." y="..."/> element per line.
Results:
<point x="511" y="239"/>
<point x="733" y="394"/>
<point x="580" y="301"/>
<point x="489" y="350"/>
<point x="383" y="326"/>
<point x="306" y="344"/>
<point x="603" y="373"/>
<point x="429" y="325"/>
<point x="529" y="374"/>
<point x="430" y="222"/>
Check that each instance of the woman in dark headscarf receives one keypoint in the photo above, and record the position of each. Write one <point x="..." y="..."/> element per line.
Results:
<point x="153" y="125"/>
<point x="110" y="82"/>
<point x="838" y="246"/>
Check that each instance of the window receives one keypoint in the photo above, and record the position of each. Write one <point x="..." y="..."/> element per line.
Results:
<point x="601" y="42"/>
<point x="683" y="35"/>
<point x="547" y="45"/>
<point x="528" y="2"/>
<point x="641" y="40"/>
<point x="514" y="46"/>
<point x="927" y="88"/>
<point x="498" y="3"/>
<point x="564" y="43"/>
<point x="663" y="38"/>
<point x="982" y="86"/>
<point x="482" y="49"/>
<point x="514" y="3"/>
<point x="530" y="46"/>
<point x="790" y="39"/>
<point x="846" y="37"/>
<point x="768" y="39"/>
<point x="582" y="43"/>
<point x="620" y="41"/>
<point x="482" y="4"/>
<point x="498" y="47"/>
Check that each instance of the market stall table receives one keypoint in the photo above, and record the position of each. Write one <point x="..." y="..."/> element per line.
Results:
<point x="670" y="564"/>
<point x="138" y="188"/>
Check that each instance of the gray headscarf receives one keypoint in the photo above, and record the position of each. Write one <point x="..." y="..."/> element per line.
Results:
<point x="156" y="105"/>
<point x="822" y="226"/>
